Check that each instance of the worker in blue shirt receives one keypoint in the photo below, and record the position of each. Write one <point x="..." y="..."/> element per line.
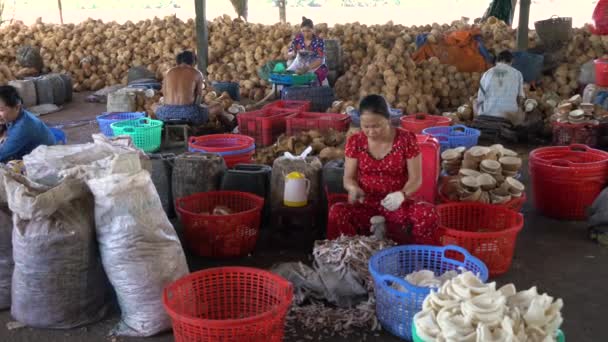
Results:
<point x="24" y="132"/>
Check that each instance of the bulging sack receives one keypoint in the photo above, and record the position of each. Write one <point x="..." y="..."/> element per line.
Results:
<point x="140" y="250"/>
<point x="6" y="248"/>
<point x="58" y="281"/>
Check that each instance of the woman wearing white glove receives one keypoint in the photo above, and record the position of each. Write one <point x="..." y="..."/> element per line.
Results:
<point x="383" y="169"/>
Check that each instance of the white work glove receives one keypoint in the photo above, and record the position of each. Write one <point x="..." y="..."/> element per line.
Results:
<point x="393" y="201"/>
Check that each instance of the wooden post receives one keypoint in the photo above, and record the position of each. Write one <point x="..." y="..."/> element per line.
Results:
<point x="522" y="27"/>
<point x="202" y="41"/>
<point x="60" y="12"/>
<point x="282" y="15"/>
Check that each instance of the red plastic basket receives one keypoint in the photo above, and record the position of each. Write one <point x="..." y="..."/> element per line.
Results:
<point x="415" y="123"/>
<point x="230" y="304"/>
<point x="566" y="180"/>
<point x="264" y="125"/>
<point x="489" y="232"/>
<point x="601" y="72"/>
<point x="306" y="121"/>
<point x="221" y="235"/>
<point x="299" y="106"/>
<point x="221" y="143"/>
<point x="565" y="134"/>
<point x="515" y="204"/>
<point x="232" y="161"/>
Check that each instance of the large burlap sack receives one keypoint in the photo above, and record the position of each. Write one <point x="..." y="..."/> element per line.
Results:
<point x="140" y="250"/>
<point x="27" y="91"/>
<point x="310" y="167"/>
<point x="6" y="248"/>
<point x="29" y="57"/>
<point x="58" y="281"/>
<point x="46" y="163"/>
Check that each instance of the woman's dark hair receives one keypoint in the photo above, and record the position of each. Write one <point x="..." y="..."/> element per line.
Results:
<point x="505" y="57"/>
<point x="10" y="96"/>
<point x="307" y="23"/>
<point x="186" y="57"/>
<point x="374" y="104"/>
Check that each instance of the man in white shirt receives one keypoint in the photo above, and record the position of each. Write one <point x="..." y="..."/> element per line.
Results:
<point x="501" y="89"/>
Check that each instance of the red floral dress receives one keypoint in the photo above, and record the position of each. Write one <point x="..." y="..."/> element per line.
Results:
<point x="414" y="222"/>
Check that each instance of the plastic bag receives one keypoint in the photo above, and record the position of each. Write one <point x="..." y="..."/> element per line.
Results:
<point x="6" y="248"/>
<point x="302" y="61"/>
<point x="310" y="167"/>
<point x="58" y="281"/>
<point x="587" y="73"/>
<point x="140" y="250"/>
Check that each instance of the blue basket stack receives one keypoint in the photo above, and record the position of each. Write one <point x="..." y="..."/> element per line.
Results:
<point x="454" y="136"/>
<point x="396" y="309"/>
<point x="106" y="119"/>
<point x="320" y="98"/>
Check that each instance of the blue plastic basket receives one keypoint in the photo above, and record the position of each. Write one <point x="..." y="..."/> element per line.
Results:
<point x="454" y="136"/>
<point x="396" y="309"/>
<point x="60" y="137"/>
<point x="232" y="88"/>
<point x="529" y="64"/>
<point x="106" y="119"/>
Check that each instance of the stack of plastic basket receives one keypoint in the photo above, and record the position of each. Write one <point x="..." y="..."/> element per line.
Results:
<point x="307" y="121"/>
<point x="228" y="304"/>
<point x="454" y="136"/>
<point x="105" y="120"/>
<point x="234" y="148"/>
<point x="210" y="234"/>
<point x="395" y="308"/>
<point x="488" y="231"/>
<point x="267" y="124"/>
<point x="567" y="179"/>
<point x="145" y="133"/>
<point x="416" y="123"/>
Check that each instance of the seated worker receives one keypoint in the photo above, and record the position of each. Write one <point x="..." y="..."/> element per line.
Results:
<point x="24" y="132"/>
<point x="181" y="89"/>
<point x="499" y="104"/>
<point x="382" y="170"/>
<point x="309" y="53"/>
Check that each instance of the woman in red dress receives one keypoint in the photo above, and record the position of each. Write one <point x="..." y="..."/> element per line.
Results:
<point x="383" y="168"/>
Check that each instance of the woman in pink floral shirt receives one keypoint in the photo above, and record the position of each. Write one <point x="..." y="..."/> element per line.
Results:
<point x="383" y="169"/>
<point x="312" y="50"/>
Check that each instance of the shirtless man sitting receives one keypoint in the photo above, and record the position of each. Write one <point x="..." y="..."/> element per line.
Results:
<point x="182" y="87"/>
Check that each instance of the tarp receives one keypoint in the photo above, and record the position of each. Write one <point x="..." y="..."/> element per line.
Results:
<point x="458" y="48"/>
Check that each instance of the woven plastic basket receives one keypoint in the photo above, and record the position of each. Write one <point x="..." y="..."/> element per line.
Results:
<point x="489" y="232"/>
<point x="554" y="31"/>
<point x="229" y="235"/>
<point x="228" y="304"/>
<point x="146" y="133"/>
<point x="106" y="119"/>
<point x="395" y="309"/>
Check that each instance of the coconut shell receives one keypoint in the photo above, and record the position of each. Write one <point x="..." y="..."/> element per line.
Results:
<point x="512" y="164"/>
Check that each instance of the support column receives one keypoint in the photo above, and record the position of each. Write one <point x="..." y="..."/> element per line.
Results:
<point x="522" y="28"/>
<point x="202" y="35"/>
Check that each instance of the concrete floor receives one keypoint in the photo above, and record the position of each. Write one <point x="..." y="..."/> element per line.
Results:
<point x="555" y="256"/>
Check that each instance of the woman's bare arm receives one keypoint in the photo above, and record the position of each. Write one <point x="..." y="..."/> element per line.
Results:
<point x="350" y="174"/>
<point x="414" y="171"/>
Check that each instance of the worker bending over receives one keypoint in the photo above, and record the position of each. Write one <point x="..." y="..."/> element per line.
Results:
<point x="24" y="132"/>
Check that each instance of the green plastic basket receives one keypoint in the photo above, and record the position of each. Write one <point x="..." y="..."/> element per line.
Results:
<point x="293" y="79"/>
<point x="560" y="335"/>
<point x="145" y="133"/>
